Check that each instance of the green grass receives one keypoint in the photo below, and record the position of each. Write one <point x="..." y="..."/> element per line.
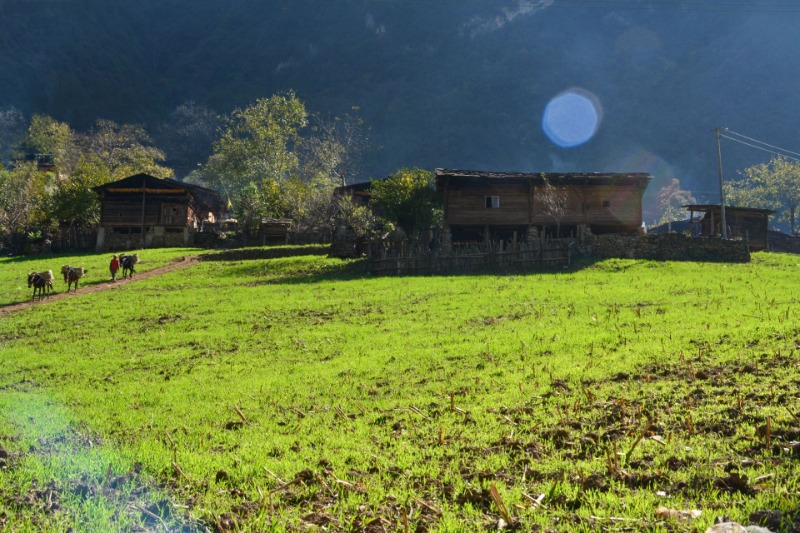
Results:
<point x="14" y="270"/>
<point x="605" y="393"/>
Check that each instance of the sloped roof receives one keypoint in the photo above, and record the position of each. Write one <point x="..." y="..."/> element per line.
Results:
<point x="715" y="207"/>
<point x="570" y="178"/>
<point x="146" y="181"/>
<point x="199" y="197"/>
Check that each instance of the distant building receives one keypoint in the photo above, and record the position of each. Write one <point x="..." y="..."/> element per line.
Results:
<point x="359" y="192"/>
<point x="143" y="211"/>
<point x="44" y="162"/>
<point x="743" y="223"/>
<point x="481" y="205"/>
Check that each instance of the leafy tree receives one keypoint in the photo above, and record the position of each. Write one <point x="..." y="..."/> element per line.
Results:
<point x="258" y="144"/>
<point x="258" y="201"/>
<point x="250" y="208"/>
<point x="671" y="199"/>
<point x="773" y="185"/>
<point x="359" y="218"/>
<point x="317" y="210"/>
<point x="73" y="202"/>
<point x="124" y="149"/>
<point x="408" y="198"/>
<point x="54" y="140"/>
<point x="23" y="200"/>
<point x="48" y="136"/>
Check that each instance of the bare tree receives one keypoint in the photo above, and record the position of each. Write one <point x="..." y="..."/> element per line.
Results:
<point x="671" y="199"/>
<point x="335" y="149"/>
<point x="553" y="202"/>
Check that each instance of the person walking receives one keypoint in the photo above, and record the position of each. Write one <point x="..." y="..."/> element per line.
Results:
<point x="114" y="266"/>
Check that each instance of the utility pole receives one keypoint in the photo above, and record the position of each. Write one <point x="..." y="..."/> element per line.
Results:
<point x="721" y="189"/>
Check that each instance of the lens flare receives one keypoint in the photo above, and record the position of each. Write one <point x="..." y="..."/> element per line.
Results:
<point x="572" y="118"/>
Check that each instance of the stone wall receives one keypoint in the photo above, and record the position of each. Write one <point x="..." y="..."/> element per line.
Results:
<point x="781" y="242"/>
<point x="669" y="247"/>
<point x="157" y="237"/>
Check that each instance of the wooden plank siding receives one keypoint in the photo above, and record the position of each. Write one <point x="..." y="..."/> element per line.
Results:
<point x="127" y="212"/>
<point x="743" y="223"/>
<point x="607" y="203"/>
<point x="467" y="205"/>
<point x="163" y="202"/>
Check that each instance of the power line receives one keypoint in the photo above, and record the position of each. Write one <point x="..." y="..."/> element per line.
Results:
<point x="738" y="7"/>
<point x="761" y="142"/>
<point x="775" y="150"/>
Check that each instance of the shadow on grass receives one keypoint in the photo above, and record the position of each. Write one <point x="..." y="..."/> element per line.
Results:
<point x="358" y="269"/>
<point x="249" y="254"/>
<point x="21" y="259"/>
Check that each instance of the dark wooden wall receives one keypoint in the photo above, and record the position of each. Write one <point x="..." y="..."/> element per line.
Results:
<point x="608" y="207"/>
<point x="126" y="209"/>
<point x="742" y="224"/>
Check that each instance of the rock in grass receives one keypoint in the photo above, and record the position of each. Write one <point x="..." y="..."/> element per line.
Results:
<point x="726" y="527"/>
<point x="733" y="527"/>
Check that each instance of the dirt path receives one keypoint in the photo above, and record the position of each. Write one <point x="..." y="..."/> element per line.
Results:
<point x="177" y="264"/>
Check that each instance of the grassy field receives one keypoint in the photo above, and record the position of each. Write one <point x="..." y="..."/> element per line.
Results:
<point x="299" y="393"/>
<point x="14" y="270"/>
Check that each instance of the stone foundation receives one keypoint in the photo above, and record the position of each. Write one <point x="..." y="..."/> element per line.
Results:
<point x="669" y="247"/>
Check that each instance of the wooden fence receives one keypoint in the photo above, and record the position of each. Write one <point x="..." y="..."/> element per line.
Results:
<point x="405" y="258"/>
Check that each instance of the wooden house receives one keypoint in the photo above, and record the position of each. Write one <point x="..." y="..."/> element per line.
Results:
<point x="144" y="211"/>
<point x="743" y="223"/>
<point x="481" y="206"/>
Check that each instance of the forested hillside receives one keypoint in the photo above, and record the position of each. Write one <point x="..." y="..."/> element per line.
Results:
<point x="438" y="84"/>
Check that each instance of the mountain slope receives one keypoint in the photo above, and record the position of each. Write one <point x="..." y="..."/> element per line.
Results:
<point x="439" y="84"/>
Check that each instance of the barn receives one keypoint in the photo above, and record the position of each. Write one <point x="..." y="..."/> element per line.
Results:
<point x="482" y="206"/>
<point x="143" y="211"/>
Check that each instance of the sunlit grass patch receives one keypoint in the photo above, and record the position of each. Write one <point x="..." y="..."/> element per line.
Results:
<point x="14" y="270"/>
<point x="299" y="392"/>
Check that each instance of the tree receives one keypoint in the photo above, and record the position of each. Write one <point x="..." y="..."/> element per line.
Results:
<point x="50" y="140"/>
<point x="335" y="148"/>
<point x="348" y="213"/>
<point x="258" y="144"/>
<point x="47" y="136"/>
<point x="23" y="199"/>
<point x="408" y="198"/>
<point x="772" y="185"/>
<point x="124" y="149"/>
<point x="188" y="136"/>
<point x="73" y="202"/>
<point x="671" y="199"/>
<point x="552" y="201"/>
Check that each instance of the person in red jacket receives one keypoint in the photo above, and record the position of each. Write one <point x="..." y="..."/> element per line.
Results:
<point x="114" y="266"/>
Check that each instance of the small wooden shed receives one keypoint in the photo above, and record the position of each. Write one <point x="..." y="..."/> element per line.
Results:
<point x="742" y="223"/>
<point x="145" y="211"/>
<point x="480" y="205"/>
